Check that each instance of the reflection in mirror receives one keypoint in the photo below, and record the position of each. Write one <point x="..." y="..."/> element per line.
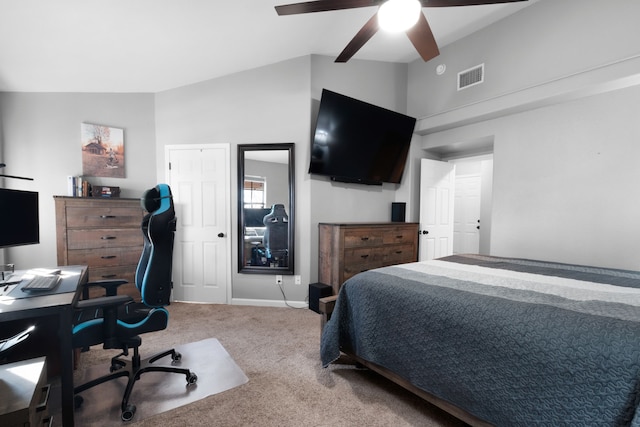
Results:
<point x="266" y="208"/>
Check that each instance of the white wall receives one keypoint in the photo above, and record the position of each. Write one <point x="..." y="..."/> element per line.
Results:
<point x="264" y="105"/>
<point x="540" y="44"/>
<point x="559" y="103"/>
<point x="278" y="103"/>
<point x="41" y="139"/>
<point x="564" y="180"/>
<point x="378" y="83"/>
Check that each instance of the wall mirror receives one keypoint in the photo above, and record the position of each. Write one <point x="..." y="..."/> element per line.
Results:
<point x="266" y="209"/>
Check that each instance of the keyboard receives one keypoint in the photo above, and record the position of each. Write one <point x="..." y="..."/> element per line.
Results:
<point x="40" y="283"/>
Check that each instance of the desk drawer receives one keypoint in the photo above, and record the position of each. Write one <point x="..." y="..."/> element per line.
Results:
<point x="104" y="257"/>
<point x="103" y="238"/>
<point x="104" y="216"/>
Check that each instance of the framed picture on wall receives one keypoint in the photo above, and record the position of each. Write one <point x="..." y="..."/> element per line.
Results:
<point x="102" y="151"/>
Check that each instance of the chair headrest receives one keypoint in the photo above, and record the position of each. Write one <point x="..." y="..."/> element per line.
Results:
<point x="156" y="198"/>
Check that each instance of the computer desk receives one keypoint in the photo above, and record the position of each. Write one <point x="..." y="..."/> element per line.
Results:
<point x="58" y="304"/>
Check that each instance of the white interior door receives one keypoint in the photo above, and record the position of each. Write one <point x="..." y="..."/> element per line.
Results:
<point x="466" y="228"/>
<point x="437" y="192"/>
<point x="199" y="179"/>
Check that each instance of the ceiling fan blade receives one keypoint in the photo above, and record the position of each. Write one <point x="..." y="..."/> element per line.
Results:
<point x="423" y="40"/>
<point x="450" y="3"/>
<point x="363" y="36"/>
<point x="322" y="6"/>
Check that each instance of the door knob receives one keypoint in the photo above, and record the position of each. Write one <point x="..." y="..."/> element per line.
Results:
<point x="425" y="232"/>
<point x="220" y="234"/>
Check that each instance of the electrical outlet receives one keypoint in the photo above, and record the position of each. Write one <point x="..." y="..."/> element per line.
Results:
<point x="298" y="280"/>
<point x="278" y="280"/>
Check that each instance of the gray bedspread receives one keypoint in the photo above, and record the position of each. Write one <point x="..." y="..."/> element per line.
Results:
<point x="513" y="342"/>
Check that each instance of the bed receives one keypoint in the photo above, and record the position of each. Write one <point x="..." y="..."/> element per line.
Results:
<point x="499" y="341"/>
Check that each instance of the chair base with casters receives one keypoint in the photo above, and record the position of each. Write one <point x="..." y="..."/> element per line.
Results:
<point x="133" y="369"/>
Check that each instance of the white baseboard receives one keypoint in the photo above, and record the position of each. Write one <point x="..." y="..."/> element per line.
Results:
<point x="269" y="303"/>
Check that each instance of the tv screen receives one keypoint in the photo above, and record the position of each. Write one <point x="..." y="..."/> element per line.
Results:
<point x="355" y="141"/>
<point x="253" y="217"/>
<point x="19" y="218"/>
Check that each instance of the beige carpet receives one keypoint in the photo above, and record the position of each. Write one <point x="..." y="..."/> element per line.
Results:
<point x="157" y="392"/>
<point x="278" y="350"/>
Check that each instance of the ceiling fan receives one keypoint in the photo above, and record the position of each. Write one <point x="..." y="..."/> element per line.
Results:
<point x="420" y="34"/>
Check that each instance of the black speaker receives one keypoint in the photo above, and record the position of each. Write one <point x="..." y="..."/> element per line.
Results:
<point x="317" y="291"/>
<point x="398" y="211"/>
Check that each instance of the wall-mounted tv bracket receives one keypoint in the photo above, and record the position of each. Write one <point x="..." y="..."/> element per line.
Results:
<point x="2" y="165"/>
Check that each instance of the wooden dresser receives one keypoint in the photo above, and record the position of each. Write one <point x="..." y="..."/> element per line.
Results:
<point x="103" y="234"/>
<point x="346" y="249"/>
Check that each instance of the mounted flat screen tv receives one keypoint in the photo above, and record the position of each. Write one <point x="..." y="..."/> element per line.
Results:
<point x="19" y="218"/>
<point x="358" y="142"/>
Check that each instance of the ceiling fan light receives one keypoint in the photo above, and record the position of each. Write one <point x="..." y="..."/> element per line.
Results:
<point x="398" y="15"/>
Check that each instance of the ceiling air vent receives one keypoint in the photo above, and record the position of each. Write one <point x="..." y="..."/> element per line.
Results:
<point x="471" y="77"/>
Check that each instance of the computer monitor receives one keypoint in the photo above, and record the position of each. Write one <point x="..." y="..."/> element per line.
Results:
<point x="19" y="218"/>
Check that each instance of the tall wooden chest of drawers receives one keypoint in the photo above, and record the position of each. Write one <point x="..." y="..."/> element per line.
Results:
<point x="346" y="249"/>
<point x="103" y="234"/>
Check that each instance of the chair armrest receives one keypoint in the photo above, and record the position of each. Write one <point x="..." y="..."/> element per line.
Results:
<point x="103" y="302"/>
<point x="110" y="286"/>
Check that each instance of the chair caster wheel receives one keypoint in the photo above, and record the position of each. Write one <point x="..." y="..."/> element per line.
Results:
<point x="128" y="413"/>
<point x="77" y="401"/>
<point x="192" y="378"/>
<point x="176" y="357"/>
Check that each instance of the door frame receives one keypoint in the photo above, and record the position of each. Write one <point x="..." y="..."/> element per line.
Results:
<point x="227" y="226"/>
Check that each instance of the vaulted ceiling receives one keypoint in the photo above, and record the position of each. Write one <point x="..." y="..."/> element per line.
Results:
<point x="154" y="45"/>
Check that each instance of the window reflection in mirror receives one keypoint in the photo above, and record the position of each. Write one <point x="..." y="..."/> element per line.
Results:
<point x="265" y="208"/>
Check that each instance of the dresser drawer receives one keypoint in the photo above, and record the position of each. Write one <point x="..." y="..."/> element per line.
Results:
<point x="363" y="255"/>
<point x="103" y="217"/>
<point x="127" y="273"/>
<point x="399" y="235"/>
<point x="361" y="237"/>
<point x="103" y="238"/>
<point x="399" y="254"/>
<point x="104" y="257"/>
<point x="351" y="270"/>
<point x="346" y="249"/>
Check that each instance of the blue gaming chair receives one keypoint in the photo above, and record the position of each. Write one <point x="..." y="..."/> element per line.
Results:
<point x="116" y="321"/>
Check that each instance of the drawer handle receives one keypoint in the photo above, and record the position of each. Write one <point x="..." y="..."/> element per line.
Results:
<point x="108" y="276"/>
<point x="364" y="256"/>
<point x="107" y="216"/>
<point x="364" y="238"/>
<point x="45" y="392"/>
<point x="108" y="237"/>
<point x="398" y="252"/>
<point x="108" y="256"/>
<point x="399" y="237"/>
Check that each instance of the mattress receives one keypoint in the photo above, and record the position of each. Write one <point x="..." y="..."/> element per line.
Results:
<point x="510" y="341"/>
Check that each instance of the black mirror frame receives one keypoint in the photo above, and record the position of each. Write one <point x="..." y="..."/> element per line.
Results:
<point x="242" y="149"/>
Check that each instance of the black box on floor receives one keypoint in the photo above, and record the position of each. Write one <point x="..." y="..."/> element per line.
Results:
<point x="317" y="291"/>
